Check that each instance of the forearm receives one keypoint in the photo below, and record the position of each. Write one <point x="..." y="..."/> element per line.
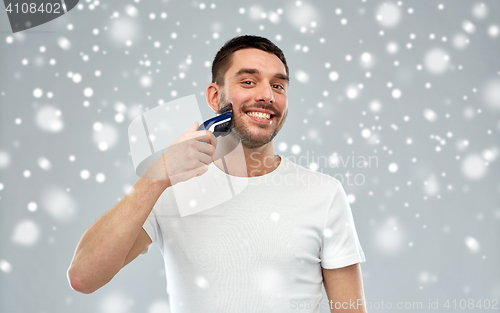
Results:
<point x="102" y="250"/>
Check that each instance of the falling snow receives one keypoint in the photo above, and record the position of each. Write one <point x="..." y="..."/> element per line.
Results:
<point x="26" y="233"/>
<point x="365" y="82"/>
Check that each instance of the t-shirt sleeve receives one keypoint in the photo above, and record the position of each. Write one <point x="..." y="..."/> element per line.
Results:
<point x="340" y="245"/>
<point x="152" y="227"/>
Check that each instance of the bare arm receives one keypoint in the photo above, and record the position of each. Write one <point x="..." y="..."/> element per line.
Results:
<point x="344" y="287"/>
<point x="115" y="239"/>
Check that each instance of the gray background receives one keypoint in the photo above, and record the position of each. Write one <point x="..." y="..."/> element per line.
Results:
<point x="429" y="229"/>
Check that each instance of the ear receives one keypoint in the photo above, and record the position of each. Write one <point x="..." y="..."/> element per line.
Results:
<point x="212" y="95"/>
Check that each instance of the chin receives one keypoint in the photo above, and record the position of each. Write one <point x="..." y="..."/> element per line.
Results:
<point x="252" y="141"/>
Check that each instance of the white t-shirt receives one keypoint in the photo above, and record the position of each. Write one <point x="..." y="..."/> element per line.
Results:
<point x="259" y="251"/>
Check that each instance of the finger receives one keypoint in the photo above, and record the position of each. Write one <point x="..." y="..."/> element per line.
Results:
<point x="205" y="148"/>
<point x="205" y="159"/>
<point x="200" y="135"/>
<point x="193" y="127"/>
<point x="205" y="136"/>
<point x="213" y="141"/>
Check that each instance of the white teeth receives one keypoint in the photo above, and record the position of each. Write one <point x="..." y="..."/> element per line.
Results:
<point x="260" y="115"/>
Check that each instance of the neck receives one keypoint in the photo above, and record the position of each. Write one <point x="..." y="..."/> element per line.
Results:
<point x="242" y="161"/>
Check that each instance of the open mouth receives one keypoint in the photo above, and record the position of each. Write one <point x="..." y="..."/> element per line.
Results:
<point x="261" y="117"/>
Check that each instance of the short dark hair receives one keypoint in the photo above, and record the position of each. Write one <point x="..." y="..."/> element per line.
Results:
<point x="222" y="60"/>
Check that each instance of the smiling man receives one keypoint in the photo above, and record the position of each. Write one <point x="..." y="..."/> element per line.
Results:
<point x="269" y="248"/>
<point x="255" y="82"/>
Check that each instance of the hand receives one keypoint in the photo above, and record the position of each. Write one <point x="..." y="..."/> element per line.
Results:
<point x="187" y="156"/>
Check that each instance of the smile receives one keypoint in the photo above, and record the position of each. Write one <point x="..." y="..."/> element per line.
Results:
<point x="259" y="115"/>
<point x="262" y="118"/>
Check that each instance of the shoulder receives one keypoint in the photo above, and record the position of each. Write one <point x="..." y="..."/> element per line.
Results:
<point x="309" y="177"/>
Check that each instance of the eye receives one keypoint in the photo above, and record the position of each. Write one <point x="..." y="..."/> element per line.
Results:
<point x="279" y="86"/>
<point x="248" y="81"/>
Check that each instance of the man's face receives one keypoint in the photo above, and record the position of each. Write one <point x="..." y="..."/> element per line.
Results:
<point x="256" y="82"/>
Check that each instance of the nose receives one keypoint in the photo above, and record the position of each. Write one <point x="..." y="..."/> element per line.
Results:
<point x="265" y="93"/>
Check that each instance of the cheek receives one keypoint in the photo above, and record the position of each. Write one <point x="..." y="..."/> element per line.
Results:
<point x="238" y="94"/>
<point x="282" y="102"/>
<point x="283" y="110"/>
<point x="237" y="113"/>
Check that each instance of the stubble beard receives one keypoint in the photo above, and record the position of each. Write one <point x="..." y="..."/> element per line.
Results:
<point x="244" y="134"/>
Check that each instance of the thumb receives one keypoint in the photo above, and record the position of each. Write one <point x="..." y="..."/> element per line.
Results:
<point x="194" y="127"/>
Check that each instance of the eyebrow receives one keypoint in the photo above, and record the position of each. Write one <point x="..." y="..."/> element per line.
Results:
<point x="256" y="71"/>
